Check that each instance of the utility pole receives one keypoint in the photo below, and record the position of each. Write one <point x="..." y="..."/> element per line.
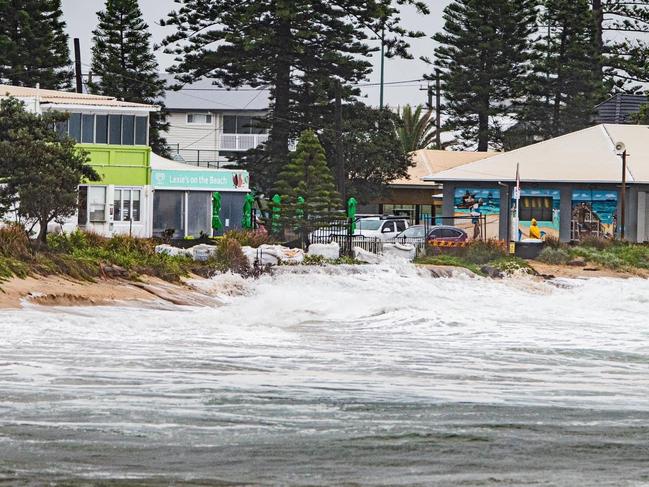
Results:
<point x="429" y="90"/>
<point x="77" y="65"/>
<point x="340" y="159"/>
<point x="623" y="196"/>
<point x="382" y="65"/>
<point x="438" y="110"/>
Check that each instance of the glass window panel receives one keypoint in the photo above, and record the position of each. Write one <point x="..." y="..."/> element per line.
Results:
<point x="229" y="124"/>
<point x="126" y="205"/>
<point x="257" y="126"/>
<point x="135" y="213"/>
<point x="199" y="217"/>
<point x="75" y="126"/>
<point x="101" y="129"/>
<point x="62" y="128"/>
<point x="88" y="129"/>
<point x="128" y="129"/>
<point x="117" y="205"/>
<point x="97" y="203"/>
<point x="169" y="212"/>
<point x="115" y="129"/>
<point x="141" y="124"/>
<point x="202" y="118"/>
<point x="243" y="124"/>
<point x="82" y="206"/>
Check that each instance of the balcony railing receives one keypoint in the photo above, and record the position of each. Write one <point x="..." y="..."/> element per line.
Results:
<point x="241" y="141"/>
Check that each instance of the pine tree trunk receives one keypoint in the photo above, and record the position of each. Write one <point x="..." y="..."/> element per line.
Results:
<point x="483" y="128"/>
<point x="556" y="109"/>
<point x="598" y="15"/>
<point x="42" y="233"/>
<point x="280" y="129"/>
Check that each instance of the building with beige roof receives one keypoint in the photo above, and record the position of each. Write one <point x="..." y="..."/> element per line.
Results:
<point x="571" y="185"/>
<point x="415" y="198"/>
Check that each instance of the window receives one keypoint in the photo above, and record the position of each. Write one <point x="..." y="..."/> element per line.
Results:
<point x="199" y="205"/>
<point x="74" y="124"/>
<point x="169" y="212"/>
<point x="101" y="129"/>
<point x="115" y="129"/>
<point x="128" y="129"/>
<point x="199" y="118"/>
<point x="388" y="227"/>
<point x="82" y="206"/>
<point x="62" y="128"/>
<point x="401" y="225"/>
<point x="539" y="208"/>
<point x="229" y="124"/>
<point x="88" y="129"/>
<point x="141" y="126"/>
<point x="242" y="124"/>
<point x="126" y="204"/>
<point x="450" y="233"/>
<point x="97" y="203"/>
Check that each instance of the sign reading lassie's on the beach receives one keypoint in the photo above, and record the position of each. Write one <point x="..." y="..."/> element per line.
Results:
<point x="214" y="180"/>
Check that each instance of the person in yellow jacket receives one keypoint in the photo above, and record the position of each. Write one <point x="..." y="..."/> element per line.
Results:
<point x="535" y="231"/>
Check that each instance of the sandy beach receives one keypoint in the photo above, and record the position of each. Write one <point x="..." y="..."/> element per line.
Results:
<point x="59" y="291"/>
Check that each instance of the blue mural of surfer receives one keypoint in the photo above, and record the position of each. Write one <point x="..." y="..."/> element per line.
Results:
<point x="594" y="213"/>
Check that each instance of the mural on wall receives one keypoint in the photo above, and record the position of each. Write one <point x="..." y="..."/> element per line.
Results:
<point x="471" y="203"/>
<point x="594" y="213"/>
<point x="542" y="207"/>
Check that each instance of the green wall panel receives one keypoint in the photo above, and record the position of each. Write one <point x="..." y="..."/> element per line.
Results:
<point x="120" y="164"/>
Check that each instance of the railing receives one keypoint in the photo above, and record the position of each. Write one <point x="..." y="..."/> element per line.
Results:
<point x="241" y="142"/>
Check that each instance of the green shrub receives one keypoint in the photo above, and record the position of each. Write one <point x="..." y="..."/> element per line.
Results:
<point x="553" y="242"/>
<point x="483" y="251"/>
<point x="314" y="260"/>
<point x="596" y="242"/>
<point x="230" y="257"/>
<point x="14" y="242"/>
<point x="554" y="255"/>
<point x="249" y="238"/>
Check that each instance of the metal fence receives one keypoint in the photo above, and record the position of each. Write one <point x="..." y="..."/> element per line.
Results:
<point x="339" y="230"/>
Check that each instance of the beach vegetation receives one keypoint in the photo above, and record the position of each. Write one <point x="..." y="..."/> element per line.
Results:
<point x="556" y="256"/>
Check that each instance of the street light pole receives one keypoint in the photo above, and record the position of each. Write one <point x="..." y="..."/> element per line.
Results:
<point x="623" y="196"/>
<point x="382" y="65"/>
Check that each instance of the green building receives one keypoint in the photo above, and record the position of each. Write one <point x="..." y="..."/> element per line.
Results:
<point x="124" y="200"/>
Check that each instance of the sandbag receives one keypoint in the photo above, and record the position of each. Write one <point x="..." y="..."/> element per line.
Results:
<point x="328" y="251"/>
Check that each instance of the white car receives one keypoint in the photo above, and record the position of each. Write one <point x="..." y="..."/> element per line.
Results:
<point x="381" y="228"/>
<point x="371" y="227"/>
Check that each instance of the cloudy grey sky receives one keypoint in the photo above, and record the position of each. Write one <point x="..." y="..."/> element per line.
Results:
<point x="80" y="16"/>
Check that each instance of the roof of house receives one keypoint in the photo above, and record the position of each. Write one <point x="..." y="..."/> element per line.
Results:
<point x="203" y="95"/>
<point x="588" y="156"/>
<point x="619" y="108"/>
<point x="67" y="98"/>
<point x="429" y="161"/>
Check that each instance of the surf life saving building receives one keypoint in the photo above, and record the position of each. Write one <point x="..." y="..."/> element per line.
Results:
<point x="571" y="185"/>
<point x="115" y="134"/>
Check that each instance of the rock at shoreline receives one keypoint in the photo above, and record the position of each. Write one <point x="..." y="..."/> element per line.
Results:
<point x="577" y="262"/>
<point x="491" y="272"/>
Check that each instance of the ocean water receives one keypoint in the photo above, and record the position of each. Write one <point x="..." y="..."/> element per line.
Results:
<point x="346" y="376"/>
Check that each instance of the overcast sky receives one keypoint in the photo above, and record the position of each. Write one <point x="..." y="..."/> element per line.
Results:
<point x="80" y="16"/>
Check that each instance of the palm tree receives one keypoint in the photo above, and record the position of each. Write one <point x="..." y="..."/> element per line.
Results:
<point x="417" y="130"/>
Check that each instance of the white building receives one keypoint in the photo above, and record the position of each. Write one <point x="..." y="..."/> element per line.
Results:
<point x="207" y="124"/>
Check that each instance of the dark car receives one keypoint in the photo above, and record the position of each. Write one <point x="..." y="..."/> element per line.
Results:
<point x="446" y="233"/>
<point x="415" y="233"/>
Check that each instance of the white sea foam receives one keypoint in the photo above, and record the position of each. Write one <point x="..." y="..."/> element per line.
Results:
<point x="287" y="350"/>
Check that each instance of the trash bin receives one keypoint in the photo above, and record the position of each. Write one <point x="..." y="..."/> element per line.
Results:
<point x="528" y="249"/>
